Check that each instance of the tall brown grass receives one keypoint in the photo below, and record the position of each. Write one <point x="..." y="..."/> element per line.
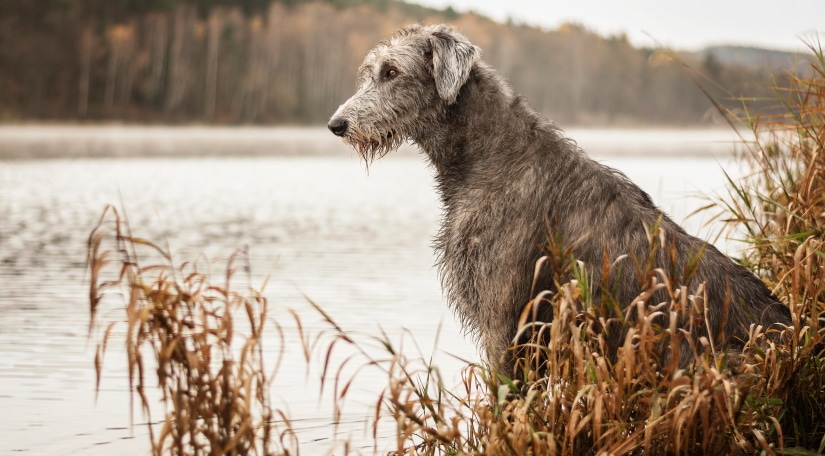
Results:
<point x="199" y="343"/>
<point x="576" y="397"/>
<point x="779" y="210"/>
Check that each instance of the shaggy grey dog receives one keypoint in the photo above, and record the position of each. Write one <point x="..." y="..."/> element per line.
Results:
<point x="509" y="180"/>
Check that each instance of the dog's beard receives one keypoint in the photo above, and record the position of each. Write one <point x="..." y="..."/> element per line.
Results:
<point x="375" y="142"/>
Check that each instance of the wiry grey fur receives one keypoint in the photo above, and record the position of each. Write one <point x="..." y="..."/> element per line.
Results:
<point x="508" y="179"/>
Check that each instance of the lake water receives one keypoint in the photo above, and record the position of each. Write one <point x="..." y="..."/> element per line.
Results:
<point x="319" y="225"/>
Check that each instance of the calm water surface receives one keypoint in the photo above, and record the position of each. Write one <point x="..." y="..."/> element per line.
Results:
<point x="318" y="226"/>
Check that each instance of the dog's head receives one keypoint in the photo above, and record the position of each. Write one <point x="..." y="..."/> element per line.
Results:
<point x="403" y="85"/>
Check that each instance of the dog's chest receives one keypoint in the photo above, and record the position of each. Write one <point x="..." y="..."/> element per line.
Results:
<point x="485" y="229"/>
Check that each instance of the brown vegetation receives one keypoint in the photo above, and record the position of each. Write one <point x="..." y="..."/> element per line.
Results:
<point x="203" y="342"/>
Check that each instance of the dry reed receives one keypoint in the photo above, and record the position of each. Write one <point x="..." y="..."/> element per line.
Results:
<point x="779" y="211"/>
<point x="577" y="398"/>
<point x="202" y="341"/>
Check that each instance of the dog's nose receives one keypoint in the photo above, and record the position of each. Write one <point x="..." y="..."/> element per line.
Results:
<point x="338" y="126"/>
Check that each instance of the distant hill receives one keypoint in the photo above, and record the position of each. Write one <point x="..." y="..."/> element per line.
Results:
<point x="756" y="59"/>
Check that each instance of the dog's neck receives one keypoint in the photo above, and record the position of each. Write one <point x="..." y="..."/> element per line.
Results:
<point x="486" y="103"/>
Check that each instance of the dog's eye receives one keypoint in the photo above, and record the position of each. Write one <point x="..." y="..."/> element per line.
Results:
<point x="391" y="73"/>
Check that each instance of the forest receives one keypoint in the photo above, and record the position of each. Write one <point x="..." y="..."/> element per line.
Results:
<point x="293" y="62"/>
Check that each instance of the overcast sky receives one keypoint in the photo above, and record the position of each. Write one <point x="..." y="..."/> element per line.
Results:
<point x="683" y="24"/>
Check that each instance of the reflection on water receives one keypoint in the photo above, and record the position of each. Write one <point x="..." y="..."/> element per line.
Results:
<point x="357" y="243"/>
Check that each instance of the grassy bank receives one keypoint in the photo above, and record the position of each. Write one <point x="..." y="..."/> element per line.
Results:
<point x="203" y="341"/>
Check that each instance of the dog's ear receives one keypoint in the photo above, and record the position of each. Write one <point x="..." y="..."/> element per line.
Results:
<point x="453" y="58"/>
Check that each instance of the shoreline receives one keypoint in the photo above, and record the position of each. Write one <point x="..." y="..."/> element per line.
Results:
<point x="122" y="141"/>
<point x="48" y="141"/>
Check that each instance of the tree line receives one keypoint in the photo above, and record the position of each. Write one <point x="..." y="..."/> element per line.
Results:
<point x="293" y="62"/>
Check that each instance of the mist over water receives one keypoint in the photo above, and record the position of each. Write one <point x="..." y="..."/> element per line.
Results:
<point x="316" y="223"/>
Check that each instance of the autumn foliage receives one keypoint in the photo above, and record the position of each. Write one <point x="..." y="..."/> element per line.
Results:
<point x="264" y="61"/>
